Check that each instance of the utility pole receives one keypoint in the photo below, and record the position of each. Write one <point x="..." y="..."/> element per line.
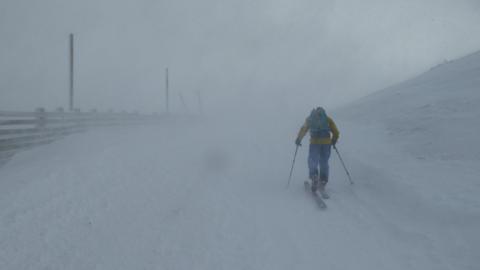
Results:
<point x="71" y="105"/>
<point x="166" y="90"/>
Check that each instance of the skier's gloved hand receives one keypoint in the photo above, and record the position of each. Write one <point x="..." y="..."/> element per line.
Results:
<point x="298" y="142"/>
<point x="334" y="141"/>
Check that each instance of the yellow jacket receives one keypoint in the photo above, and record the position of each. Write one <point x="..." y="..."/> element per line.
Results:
<point x="333" y="128"/>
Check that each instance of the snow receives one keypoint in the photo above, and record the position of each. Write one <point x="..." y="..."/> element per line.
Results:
<point x="212" y="194"/>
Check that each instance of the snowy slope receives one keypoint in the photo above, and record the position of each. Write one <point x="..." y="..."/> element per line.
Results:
<point x="439" y="106"/>
<point x="211" y="194"/>
<point x="419" y="141"/>
<point x="433" y="122"/>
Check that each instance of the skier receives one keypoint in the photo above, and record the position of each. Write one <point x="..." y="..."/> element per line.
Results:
<point x="323" y="134"/>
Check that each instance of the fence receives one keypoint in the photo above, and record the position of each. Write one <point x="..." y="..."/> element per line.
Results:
<point x="23" y="130"/>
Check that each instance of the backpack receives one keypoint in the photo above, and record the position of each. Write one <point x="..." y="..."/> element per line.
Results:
<point x="318" y="123"/>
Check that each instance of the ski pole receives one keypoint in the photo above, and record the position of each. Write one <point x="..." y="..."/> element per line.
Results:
<point x="343" y="163"/>
<point x="293" y="164"/>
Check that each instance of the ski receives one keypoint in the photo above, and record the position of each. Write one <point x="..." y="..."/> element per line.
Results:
<point x="324" y="194"/>
<point x="318" y="199"/>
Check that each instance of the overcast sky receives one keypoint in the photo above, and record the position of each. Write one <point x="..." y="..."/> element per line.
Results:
<point x="303" y="51"/>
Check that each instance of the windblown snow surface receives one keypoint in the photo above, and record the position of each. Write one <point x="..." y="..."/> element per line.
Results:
<point x="211" y="194"/>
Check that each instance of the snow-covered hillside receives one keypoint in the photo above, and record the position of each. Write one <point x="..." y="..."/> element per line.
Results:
<point x="431" y="121"/>
<point x="211" y="194"/>
<point x="415" y="148"/>
<point x="435" y="116"/>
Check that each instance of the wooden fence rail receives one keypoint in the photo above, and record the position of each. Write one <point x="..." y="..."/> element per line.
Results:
<point x="23" y="130"/>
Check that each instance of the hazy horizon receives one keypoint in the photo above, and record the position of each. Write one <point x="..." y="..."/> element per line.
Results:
<point x="293" y="52"/>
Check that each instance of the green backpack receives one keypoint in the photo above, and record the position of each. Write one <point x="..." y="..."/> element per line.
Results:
<point x="318" y="123"/>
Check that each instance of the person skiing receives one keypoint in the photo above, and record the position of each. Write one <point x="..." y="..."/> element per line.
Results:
<point x="323" y="134"/>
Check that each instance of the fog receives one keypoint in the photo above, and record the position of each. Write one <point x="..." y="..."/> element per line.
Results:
<point x="210" y="193"/>
<point x="234" y="54"/>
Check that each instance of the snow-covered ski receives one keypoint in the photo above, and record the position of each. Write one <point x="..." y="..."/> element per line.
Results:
<point x="324" y="194"/>
<point x="315" y="196"/>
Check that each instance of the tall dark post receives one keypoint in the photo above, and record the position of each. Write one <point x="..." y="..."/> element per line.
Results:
<point x="166" y="89"/>
<point x="71" y="73"/>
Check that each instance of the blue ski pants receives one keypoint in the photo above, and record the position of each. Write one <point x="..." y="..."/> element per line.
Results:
<point x="318" y="156"/>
